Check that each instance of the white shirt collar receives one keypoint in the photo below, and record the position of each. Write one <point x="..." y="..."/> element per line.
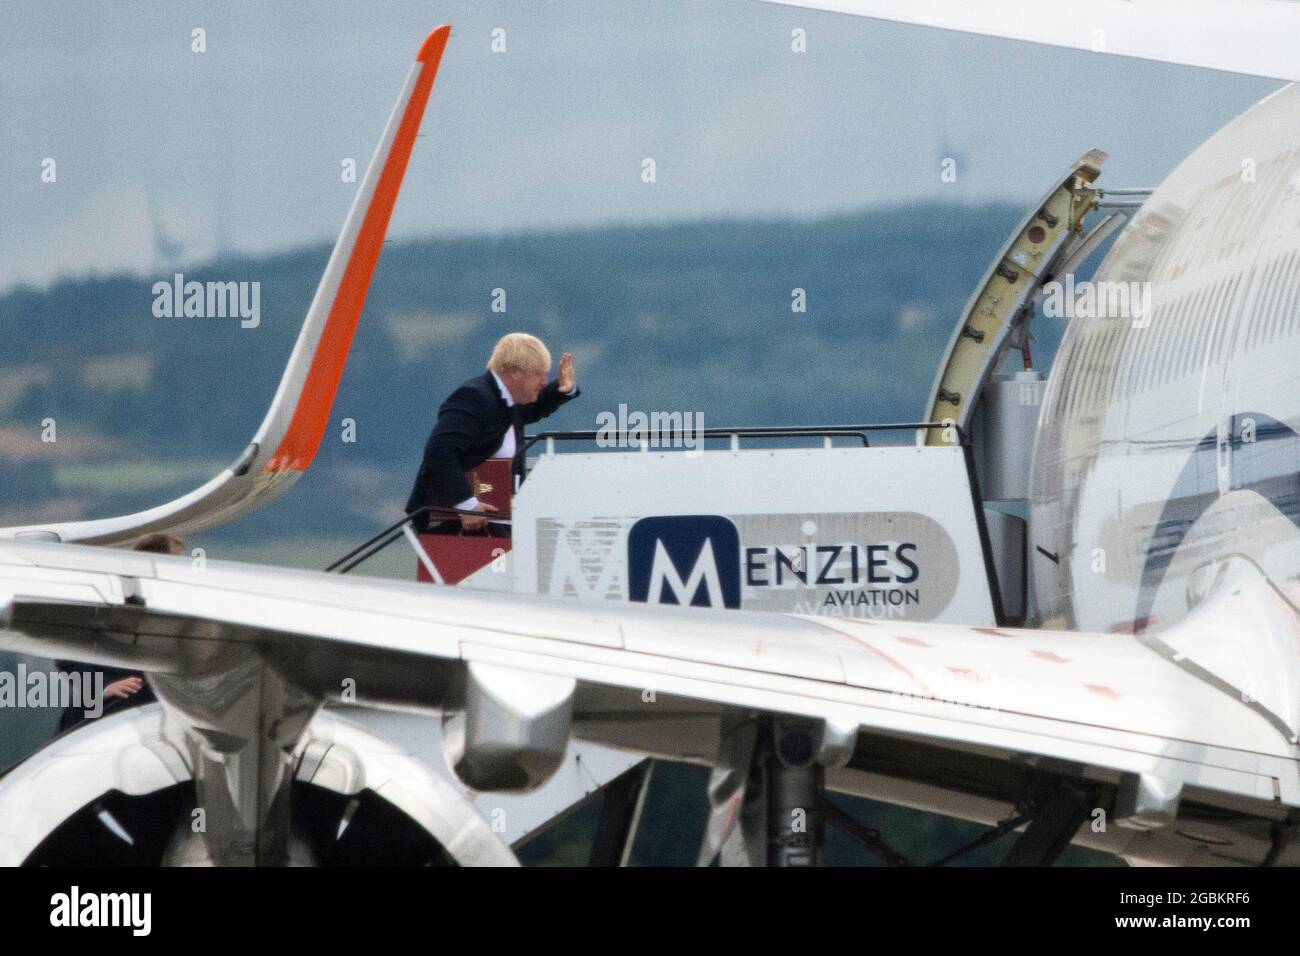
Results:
<point x="505" y="392"/>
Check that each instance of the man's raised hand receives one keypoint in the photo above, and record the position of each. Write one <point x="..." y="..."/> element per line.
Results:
<point x="566" y="378"/>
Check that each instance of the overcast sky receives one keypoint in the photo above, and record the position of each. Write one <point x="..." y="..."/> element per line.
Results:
<point x="240" y="147"/>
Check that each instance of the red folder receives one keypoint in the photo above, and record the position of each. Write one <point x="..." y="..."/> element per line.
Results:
<point x="457" y="556"/>
<point x="492" y="483"/>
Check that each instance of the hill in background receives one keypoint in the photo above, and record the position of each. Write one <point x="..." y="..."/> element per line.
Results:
<point x="691" y="317"/>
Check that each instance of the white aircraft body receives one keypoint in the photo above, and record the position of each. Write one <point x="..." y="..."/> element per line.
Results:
<point x="1155" y="714"/>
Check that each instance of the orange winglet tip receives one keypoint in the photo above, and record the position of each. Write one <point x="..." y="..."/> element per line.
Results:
<point x="433" y="44"/>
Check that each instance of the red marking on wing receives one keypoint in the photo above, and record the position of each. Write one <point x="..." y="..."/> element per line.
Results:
<point x="881" y="654"/>
<point x="1103" y="691"/>
<point x="993" y="631"/>
<point x="915" y="641"/>
<point x="1049" y="656"/>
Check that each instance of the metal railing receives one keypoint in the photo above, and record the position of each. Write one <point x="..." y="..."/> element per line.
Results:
<point x="827" y="432"/>
<point x="373" y="545"/>
<point x="1132" y="198"/>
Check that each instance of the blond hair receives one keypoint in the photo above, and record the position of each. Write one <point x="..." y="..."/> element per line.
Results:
<point x="519" y="350"/>
<point x="160" y="544"/>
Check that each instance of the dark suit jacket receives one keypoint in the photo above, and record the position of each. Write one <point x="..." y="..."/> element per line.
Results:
<point x="471" y="425"/>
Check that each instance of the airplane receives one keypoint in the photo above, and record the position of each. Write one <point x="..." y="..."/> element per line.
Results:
<point x="1154" y="713"/>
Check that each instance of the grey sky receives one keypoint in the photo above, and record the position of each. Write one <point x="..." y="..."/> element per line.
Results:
<point x="240" y="147"/>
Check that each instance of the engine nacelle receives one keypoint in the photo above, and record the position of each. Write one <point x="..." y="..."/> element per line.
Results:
<point x="118" y="791"/>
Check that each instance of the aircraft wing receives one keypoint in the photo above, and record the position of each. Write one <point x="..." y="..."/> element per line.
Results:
<point x="1255" y="37"/>
<point x="670" y="681"/>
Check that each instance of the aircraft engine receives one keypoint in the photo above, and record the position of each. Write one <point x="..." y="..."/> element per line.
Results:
<point x="118" y="791"/>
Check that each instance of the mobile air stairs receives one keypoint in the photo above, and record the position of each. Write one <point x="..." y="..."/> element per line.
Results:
<point x="920" y="521"/>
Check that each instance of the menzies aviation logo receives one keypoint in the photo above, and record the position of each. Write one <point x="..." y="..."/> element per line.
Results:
<point x="891" y="565"/>
<point x="689" y="560"/>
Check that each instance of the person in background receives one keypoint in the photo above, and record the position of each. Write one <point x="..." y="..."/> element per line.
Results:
<point x="122" y="688"/>
<point x="484" y="419"/>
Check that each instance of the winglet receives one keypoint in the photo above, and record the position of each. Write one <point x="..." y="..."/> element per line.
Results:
<point x="291" y="432"/>
<point x="346" y="280"/>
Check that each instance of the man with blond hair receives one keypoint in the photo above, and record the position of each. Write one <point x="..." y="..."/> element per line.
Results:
<point x="483" y="419"/>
